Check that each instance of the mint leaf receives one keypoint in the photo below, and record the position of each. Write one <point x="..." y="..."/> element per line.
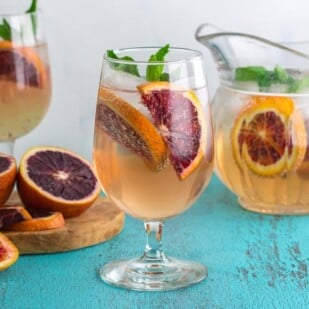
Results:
<point x="124" y="67"/>
<point x="265" y="78"/>
<point x="33" y="7"/>
<point x="5" y="31"/>
<point x="155" y="72"/>
<point x="254" y="73"/>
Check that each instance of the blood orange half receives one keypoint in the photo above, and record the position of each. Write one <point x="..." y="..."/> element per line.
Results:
<point x="8" y="172"/>
<point x="269" y="136"/>
<point x="129" y="127"/>
<point x="21" y="65"/>
<point x="8" y="252"/>
<point x="179" y="117"/>
<point x="56" y="179"/>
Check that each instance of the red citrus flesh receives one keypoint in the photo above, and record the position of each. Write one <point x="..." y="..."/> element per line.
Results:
<point x="269" y="136"/>
<point x="8" y="171"/>
<point x="179" y="117"/>
<point x="8" y="252"/>
<point x="130" y="128"/>
<point x="13" y="214"/>
<point x="21" y="65"/>
<point x="56" y="179"/>
<point x="47" y="220"/>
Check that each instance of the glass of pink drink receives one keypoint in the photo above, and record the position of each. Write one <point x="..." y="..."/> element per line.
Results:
<point x="25" y="86"/>
<point x="153" y="153"/>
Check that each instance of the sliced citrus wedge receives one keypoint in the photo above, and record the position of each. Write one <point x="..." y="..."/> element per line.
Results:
<point x="130" y="128"/>
<point x="178" y="115"/>
<point x="8" y="171"/>
<point x="13" y="214"/>
<point x="42" y="221"/>
<point x="32" y="69"/>
<point x="56" y="179"/>
<point x="269" y="136"/>
<point x="8" y="252"/>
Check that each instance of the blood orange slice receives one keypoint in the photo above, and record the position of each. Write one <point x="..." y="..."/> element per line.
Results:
<point x="179" y="117"/>
<point x="56" y="179"/>
<point x="8" y="172"/>
<point x="269" y="136"/>
<point x="41" y="220"/>
<point x="129" y="127"/>
<point x="8" y="252"/>
<point x="21" y="65"/>
<point x="13" y="214"/>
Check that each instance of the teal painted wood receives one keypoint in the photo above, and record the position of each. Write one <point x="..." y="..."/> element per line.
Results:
<point x="254" y="261"/>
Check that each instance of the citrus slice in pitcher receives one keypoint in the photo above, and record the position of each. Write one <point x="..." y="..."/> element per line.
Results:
<point x="178" y="115"/>
<point x="21" y="65"/>
<point x="130" y="128"/>
<point x="269" y="136"/>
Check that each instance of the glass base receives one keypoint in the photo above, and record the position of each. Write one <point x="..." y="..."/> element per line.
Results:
<point x="150" y="275"/>
<point x="274" y="209"/>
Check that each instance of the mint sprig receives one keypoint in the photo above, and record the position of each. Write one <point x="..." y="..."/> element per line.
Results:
<point x="265" y="78"/>
<point x="33" y="7"/>
<point x="5" y="28"/>
<point x="124" y="67"/>
<point x="154" y="72"/>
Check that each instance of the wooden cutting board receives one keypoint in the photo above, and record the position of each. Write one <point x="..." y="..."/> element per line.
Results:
<point x="99" y="223"/>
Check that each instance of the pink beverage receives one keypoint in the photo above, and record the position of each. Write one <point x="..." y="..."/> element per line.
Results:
<point x="136" y="188"/>
<point x="25" y="88"/>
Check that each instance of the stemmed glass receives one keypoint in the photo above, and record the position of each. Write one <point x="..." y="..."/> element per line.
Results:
<point x="153" y="153"/>
<point x="25" y="85"/>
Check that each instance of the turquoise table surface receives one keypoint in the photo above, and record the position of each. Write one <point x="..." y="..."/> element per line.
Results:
<point x="254" y="261"/>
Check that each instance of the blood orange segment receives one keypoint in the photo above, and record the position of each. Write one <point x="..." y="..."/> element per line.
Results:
<point x="269" y="136"/>
<point x="179" y="117"/>
<point x="43" y="221"/>
<point x="8" y="252"/>
<point x="22" y="65"/>
<point x="8" y="171"/>
<point x="129" y="127"/>
<point x="56" y="179"/>
<point x="13" y="214"/>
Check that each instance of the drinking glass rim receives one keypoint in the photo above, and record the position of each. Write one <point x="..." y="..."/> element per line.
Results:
<point x="18" y="15"/>
<point x="195" y="55"/>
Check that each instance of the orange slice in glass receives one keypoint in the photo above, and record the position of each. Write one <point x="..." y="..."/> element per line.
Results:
<point x="179" y="116"/>
<point x="130" y="128"/>
<point x="21" y="65"/>
<point x="269" y="136"/>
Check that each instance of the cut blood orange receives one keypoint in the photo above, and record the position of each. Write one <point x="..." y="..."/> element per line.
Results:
<point x="56" y="179"/>
<point x="21" y="65"/>
<point x="179" y="117"/>
<point x="129" y="127"/>
<point x="8" y="252"/>
<point x="13" y="214"/>
<point x="8" y="172"/>
<point x="41" y="221"/>
<point x="269" y="136"/>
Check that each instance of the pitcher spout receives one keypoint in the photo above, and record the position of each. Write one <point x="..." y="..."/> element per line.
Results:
<point x="234" y="50"/>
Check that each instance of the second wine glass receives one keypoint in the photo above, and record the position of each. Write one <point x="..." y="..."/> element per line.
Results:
<point x="25" y="84"/>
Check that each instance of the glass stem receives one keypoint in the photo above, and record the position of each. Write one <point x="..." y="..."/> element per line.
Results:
<point x="153" y="250"/>
<point x="7" y="147"/>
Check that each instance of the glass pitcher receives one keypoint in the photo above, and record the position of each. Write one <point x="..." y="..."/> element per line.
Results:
<point x="261" y="120"/>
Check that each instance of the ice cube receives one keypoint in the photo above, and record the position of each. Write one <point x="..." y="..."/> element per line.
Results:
<point x="120" y="80"/>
